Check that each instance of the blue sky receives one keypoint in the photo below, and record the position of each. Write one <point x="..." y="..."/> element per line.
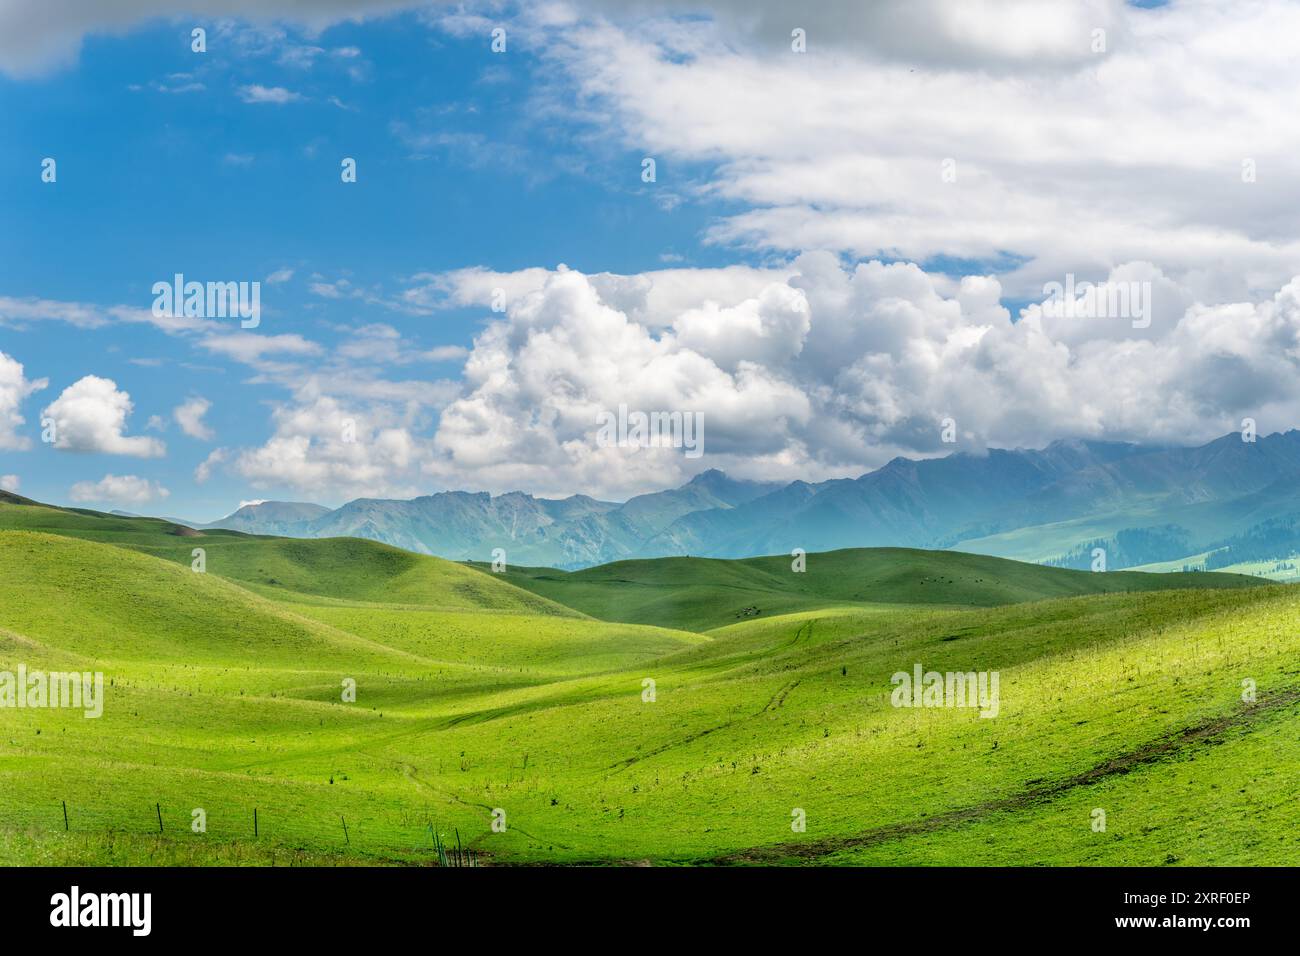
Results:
<point x="164" y="167"/>
<point x="800" y="272"/>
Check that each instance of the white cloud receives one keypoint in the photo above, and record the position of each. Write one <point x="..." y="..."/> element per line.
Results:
<point x="16" y="312"/>
<point x="1124" y="165"/>
<point x="9" y="483"/>
<point x="90" y="415"/>
<point x="217" y="336"/>
<point x="251" y="346"/>
<point x="118" y="490"/>
<point x="536" y="381"/>
<point x="1064" y="162"/>
<point x="204" y="471"/>
<point x="278" y="276"/>
<point x="325" y="448"/>
<point x="14" y="389"/>
<point x="1010" y="34"/>
<point x="654" y="298"/>
<point x="338" y="289"/>
<point x="807" y="369"/>
<point x="35" y="37"/>
<point x="833" y="371"/>
<point x="767" y="330"/>
<point x="1066" y="158"/>
<point x="189" y="415"/>
<point x="300" y="57"/>
<point x="255" y="93"/>
<point x="446" y="353"/>
<point x="1003" y="35"/>
<point x="177" y="83"/>
<point x="380" y="343"/>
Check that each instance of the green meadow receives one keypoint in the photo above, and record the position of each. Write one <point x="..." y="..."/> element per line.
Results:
<point x="675" y="711"/>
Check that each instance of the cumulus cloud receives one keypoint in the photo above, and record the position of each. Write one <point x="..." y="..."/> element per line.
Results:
<point x="323" y="447"/>
<point x="14" y="389"/>
<point x="767" y="330"/>
<point x="835" y="369"/>
<point x="90" y="416"/>
<point x="536" y="382"/>
<point x="990" y="132"/>
<point x="189" y="415"/>
<point x="118" y="490"/>
<point x="9" y="483"/>
<point x="810" y="369"/>
<point x="654" y="299"/>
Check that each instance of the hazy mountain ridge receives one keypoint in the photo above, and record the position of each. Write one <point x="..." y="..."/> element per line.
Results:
<point x="1048" y="503"/>
<point x="269" y="517"/>
<point x="571" y="532"/>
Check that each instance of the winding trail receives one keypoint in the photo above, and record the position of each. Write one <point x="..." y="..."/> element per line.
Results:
<point x="1165" y="746"/>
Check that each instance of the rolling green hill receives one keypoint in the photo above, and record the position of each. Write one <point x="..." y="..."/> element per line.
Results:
<point x="347" y="568"/>
<point x="1173" y="711"/>
<point x="700" y="593"/>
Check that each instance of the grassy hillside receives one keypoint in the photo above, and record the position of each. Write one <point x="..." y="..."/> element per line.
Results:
<point x="346" y="568"/>
<point x="623" y="742"/>
<point x="700" y="593"/>
<point x="84" y="601"/>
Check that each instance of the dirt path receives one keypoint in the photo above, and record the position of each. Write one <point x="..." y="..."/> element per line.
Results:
<point x="412" y="773"/>
<point x="1124" y="763"/>
<point x="776" y="700"/>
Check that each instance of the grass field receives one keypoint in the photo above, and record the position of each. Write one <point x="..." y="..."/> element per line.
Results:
<point x="704" y="592"/>
<point x="523" y="697"/>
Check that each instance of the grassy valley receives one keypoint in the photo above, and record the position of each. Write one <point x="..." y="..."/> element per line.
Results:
<point x="668" y="711"/>
<point x="705" y="592"/>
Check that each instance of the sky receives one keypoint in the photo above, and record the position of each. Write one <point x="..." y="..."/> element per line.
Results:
<point x="855" y="215"/>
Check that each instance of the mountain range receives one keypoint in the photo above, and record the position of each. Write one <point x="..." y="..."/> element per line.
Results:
<point x="1142" y="504"/>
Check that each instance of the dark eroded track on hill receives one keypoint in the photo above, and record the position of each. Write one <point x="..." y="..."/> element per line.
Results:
<point x="778" y="699"/>
<point x="1168" y="745"/>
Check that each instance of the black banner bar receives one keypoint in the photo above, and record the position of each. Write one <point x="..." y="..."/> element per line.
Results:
<point x="329" y="905"/>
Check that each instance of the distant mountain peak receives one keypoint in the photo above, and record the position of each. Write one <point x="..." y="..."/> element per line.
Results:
<point x="266" y="505"/>
<point x="270" y="517"/>
<point x="710" y="477"/>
